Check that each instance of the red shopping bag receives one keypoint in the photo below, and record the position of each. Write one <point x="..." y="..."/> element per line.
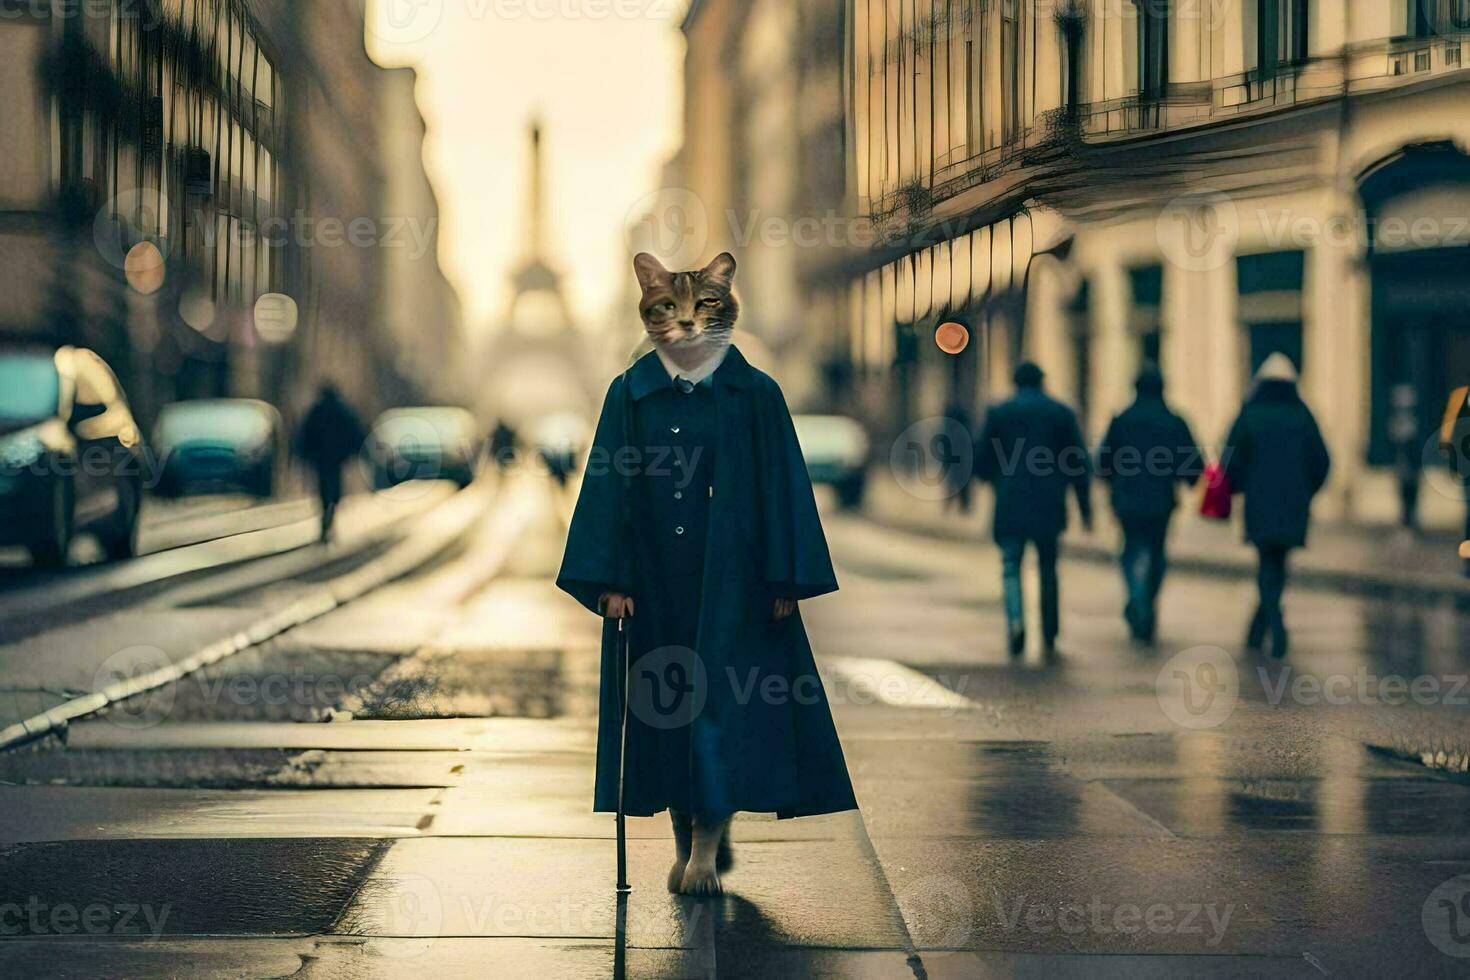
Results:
<point x="1215" y="499"/>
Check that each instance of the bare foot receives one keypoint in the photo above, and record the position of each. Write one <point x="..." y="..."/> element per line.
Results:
<point x="683" y="835"/>
<point x="701" y="877"/>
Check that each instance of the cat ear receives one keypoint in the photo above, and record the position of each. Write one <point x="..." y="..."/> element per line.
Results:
<point x="649" y="270"/>
<point x="722" y="268"/>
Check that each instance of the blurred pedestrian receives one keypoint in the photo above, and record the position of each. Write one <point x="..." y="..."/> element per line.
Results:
<point x="958" y="476"/>
<point x="330" y="435"/>
<point x="1275" y="456"/>
<point x="503" y="445"/>
<point x="1147" y="452"/>
<point x="1408" y="451"/>
<point x="1031" y="451"/>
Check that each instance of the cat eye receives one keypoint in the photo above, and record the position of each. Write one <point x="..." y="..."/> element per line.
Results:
<point x="709" y="303"/>
<point x="666" y="306"/>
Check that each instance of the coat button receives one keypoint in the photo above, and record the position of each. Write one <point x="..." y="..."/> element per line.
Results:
<point x="675" y="430"/>
<point x="678" y="494"/>
<point x="679" y="531"/>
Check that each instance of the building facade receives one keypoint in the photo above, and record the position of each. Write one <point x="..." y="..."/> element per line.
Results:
<point x="762" y="171"/>
<point x="422" y="309"/>
<point x="166" y="163"/>
<point x="1096" y="183"/>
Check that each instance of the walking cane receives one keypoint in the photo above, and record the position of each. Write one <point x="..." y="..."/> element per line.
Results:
<point x="626" y="657"/>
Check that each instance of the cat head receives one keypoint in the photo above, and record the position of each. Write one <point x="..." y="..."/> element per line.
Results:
<point x="688" y="311"/>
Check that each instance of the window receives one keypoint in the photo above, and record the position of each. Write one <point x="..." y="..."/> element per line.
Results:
<point x="1281" y="34"/>
<point x="1070" y="21"/>
<point x="1433" y="18"/>
<point x="1010" y="68"/>
<point x="1153" y="47"/>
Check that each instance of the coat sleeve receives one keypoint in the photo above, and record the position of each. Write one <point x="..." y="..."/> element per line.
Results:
<point x="1081" y="475"/>
<point x="985" y="451"/>
<point x="596" y="558"/>
<point x="1235" y="456"/>
<point x="1103" y="466"/>
<point x="797" y="562"/>
<point x="1191" y="462"/>
<point x="1321" y="459"/>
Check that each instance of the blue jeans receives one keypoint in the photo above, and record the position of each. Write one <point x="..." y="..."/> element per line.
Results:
<point x="1144" y="561"/>
<point x="1012" y="550"/>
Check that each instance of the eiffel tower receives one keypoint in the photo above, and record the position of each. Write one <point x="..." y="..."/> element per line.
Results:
<point x="535" y="278"/>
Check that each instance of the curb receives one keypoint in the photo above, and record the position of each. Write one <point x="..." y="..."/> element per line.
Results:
<point x="445" y="524"/>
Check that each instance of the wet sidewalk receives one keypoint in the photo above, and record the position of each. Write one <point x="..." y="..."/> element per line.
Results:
<point x="1351" y="558"/>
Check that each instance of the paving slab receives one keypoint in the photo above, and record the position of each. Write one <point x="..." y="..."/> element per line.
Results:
<point x="1342" y="805"/>
<point x="408" y="959"/>
<point x="134" y="889"/>
<point x="512" y="887"/>
<point x="205" y="959"/>
<point x="433" y="735"/>
<point x="52" y="813"/>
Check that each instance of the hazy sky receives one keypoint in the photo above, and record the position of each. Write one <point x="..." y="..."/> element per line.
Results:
<point x="603" y="75"/>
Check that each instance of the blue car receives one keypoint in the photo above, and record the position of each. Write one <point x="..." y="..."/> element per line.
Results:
<point x="71" y="457"/>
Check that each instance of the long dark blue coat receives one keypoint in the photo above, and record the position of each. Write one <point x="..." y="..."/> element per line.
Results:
<point x="758" y="735"/>
<point x="1147" y="453"/>
<point x="1276" y="457"/>
<point x="1031" y="450"/>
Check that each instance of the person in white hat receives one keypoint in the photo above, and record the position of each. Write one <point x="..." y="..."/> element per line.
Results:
<point x="1275" y="456"/>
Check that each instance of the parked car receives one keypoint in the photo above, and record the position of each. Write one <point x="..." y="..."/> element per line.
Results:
<point x="428" y="443"/>
<point x="71" y="456"/>
<point x="836" y="451"/>
<point x="219" y="445"/>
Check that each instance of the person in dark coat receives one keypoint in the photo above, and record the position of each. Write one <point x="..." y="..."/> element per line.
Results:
<point x="696" y="527"/>
<point x="1031" y="450"/>
<point x="330" y="435"/>
<point x="1275" y="456"/>
<point x="1147" y="452"/>
<point x="958" y="476"/>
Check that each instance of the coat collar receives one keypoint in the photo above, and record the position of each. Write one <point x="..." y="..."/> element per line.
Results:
<point x="648" y="375"/>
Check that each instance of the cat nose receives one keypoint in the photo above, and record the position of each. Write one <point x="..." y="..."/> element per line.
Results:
<point x="686" y="323"/>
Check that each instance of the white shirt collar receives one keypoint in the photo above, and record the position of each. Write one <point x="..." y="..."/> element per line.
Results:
<point x="697" y="374"/>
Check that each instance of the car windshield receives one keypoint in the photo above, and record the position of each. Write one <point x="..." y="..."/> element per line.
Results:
<point x="30" y="388"/>
<point x="425" y="427"/>
<point x="236" y="423"/>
